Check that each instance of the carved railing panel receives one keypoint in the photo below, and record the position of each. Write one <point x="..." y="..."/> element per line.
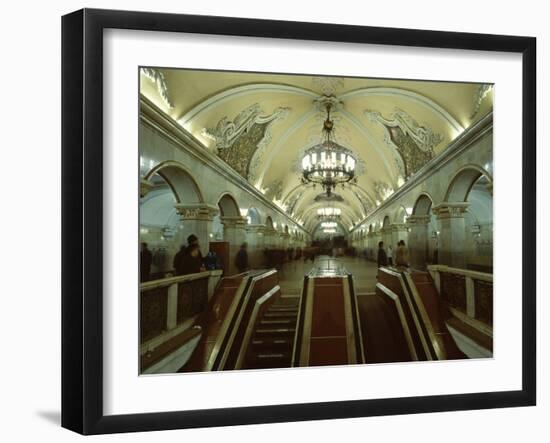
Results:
<point x="453" y="290"/>
<point x="153" y="312"/>
<point x="483" y="291"/>
<point x="192" y="298"/>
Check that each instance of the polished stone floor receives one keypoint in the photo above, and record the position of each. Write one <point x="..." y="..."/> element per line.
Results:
<point x="291" y="277"/>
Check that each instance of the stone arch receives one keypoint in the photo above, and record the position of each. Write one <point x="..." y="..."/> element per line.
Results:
<point x="254" y="216"/>
<point x="179" y="179"/>
<point x="423" y="204"/>
<point x="400" y="215"/>
<point x="269" y="222"/>
<point x="228" y="206"/>
<point x="463" y="181"/>
<point x="387" y="222"/>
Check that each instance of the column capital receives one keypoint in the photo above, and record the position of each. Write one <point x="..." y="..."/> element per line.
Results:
<point x="418" y="219"/>
<point x="450" y="210"/>
<point x="235" y="221"/>
<point x="196" y="211"/>
<point x="397" y="227"/>
<point x="255" y="228"/>
<point x="144" y="187"/>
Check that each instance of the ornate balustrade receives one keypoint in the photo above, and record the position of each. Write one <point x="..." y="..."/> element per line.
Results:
<point x="466" y="292"/>
<point x="167" y="303"/>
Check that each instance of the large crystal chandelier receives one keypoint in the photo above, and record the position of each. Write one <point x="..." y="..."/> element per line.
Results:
<point x="328" y="163"/>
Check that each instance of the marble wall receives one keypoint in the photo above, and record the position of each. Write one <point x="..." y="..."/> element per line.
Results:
<point x="208" y="198"/>
<point x="448" y="207"/>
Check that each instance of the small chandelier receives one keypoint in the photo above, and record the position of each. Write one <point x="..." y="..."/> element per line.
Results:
<point x="329" y="213"/>
<point x="328" y="163"/>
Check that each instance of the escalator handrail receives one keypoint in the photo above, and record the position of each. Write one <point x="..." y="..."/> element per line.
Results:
<point x="235" y="318"/>
<point x="297" y="348"/>
<point x="359" y="346"/>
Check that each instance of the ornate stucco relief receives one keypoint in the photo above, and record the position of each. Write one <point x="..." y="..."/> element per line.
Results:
<point x="275" y="190"/>
<point x="328" y="85"/>
<point x="365" y="203"/>
<point x="414" y="143"/>
<point x="240" y="142"/>
<point x="381" y="191"/>
<point x="158" y="78"/>
<point x="481" y="92"/>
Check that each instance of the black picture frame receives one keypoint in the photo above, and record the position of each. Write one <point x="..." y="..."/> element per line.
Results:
<point x="82" y="219"/>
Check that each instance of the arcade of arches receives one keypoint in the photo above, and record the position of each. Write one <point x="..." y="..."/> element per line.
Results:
<point x="221" y="158"/>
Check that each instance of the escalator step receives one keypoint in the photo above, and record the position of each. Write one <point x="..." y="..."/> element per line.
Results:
<point x="271" y="331"/>
<point x="279" y="321"/>
<point x="270" y="356"/>
<point x="280" y="315"/>
<point x="275" y="341"/>
<point x="283" y="308"/>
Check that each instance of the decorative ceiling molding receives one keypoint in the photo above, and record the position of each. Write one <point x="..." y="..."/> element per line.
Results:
<point x="481" y="92"/>
<point x="328" y="85"/>
<point x="227" y="132"/>
<point x="365" y="204"/>
<point x="274" y="191"/>
<point x="405" y="94"/>
<point x="240" y="91"/>
<point x="414" y="143"/>
<point x="158" y="78"/>
<point x="382" y="191"/>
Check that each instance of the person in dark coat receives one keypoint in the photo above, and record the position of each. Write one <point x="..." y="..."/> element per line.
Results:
<point x="382" y="257"/>
<point x="241" y="260"/>
<point x="193" y="240"/>
<point x="192" y="261"/>
<point x="178" y="263"/>
<point x="145" y="260"/>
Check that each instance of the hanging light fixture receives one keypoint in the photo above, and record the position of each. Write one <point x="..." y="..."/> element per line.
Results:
<point x="329" y="213"/>
<point x="328" y="163"/>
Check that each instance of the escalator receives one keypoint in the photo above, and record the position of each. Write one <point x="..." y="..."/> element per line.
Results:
<point x="404" y="320"/>
<point x="273" y="338"/>
<point x="383" y="336"/>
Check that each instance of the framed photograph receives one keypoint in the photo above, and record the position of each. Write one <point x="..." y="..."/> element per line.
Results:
<point x="270" y="221"/>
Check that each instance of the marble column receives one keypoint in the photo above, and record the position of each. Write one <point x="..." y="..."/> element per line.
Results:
<point x="452" y="237"/>
<point x="285" y="240"/>
<point x="255" y="239"/>
<point x="196" y="219"/>
<point x="270" y="238"/>
<point x="234" y="232"/>
<point x="418" y="240"/>
<point x="399" y="231"/>
<point x="386" y="237"/>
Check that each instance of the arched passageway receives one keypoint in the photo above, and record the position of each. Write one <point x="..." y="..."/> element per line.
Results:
<point x="466" y="219"/>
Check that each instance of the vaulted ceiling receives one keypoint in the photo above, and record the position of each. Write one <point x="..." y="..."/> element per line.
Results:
<point x="261" y="124"/>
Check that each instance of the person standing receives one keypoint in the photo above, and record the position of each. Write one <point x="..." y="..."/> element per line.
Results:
<point x="145" y="260"/>
<point x="390" y="255"/>
<point x="192" y="261"/>
<point x="241" y="260"/>
<point x="402" y="255"/>
<point x="179" y="258"/>
<point x="193" y="240"/>
<point x="382" y="257"/>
